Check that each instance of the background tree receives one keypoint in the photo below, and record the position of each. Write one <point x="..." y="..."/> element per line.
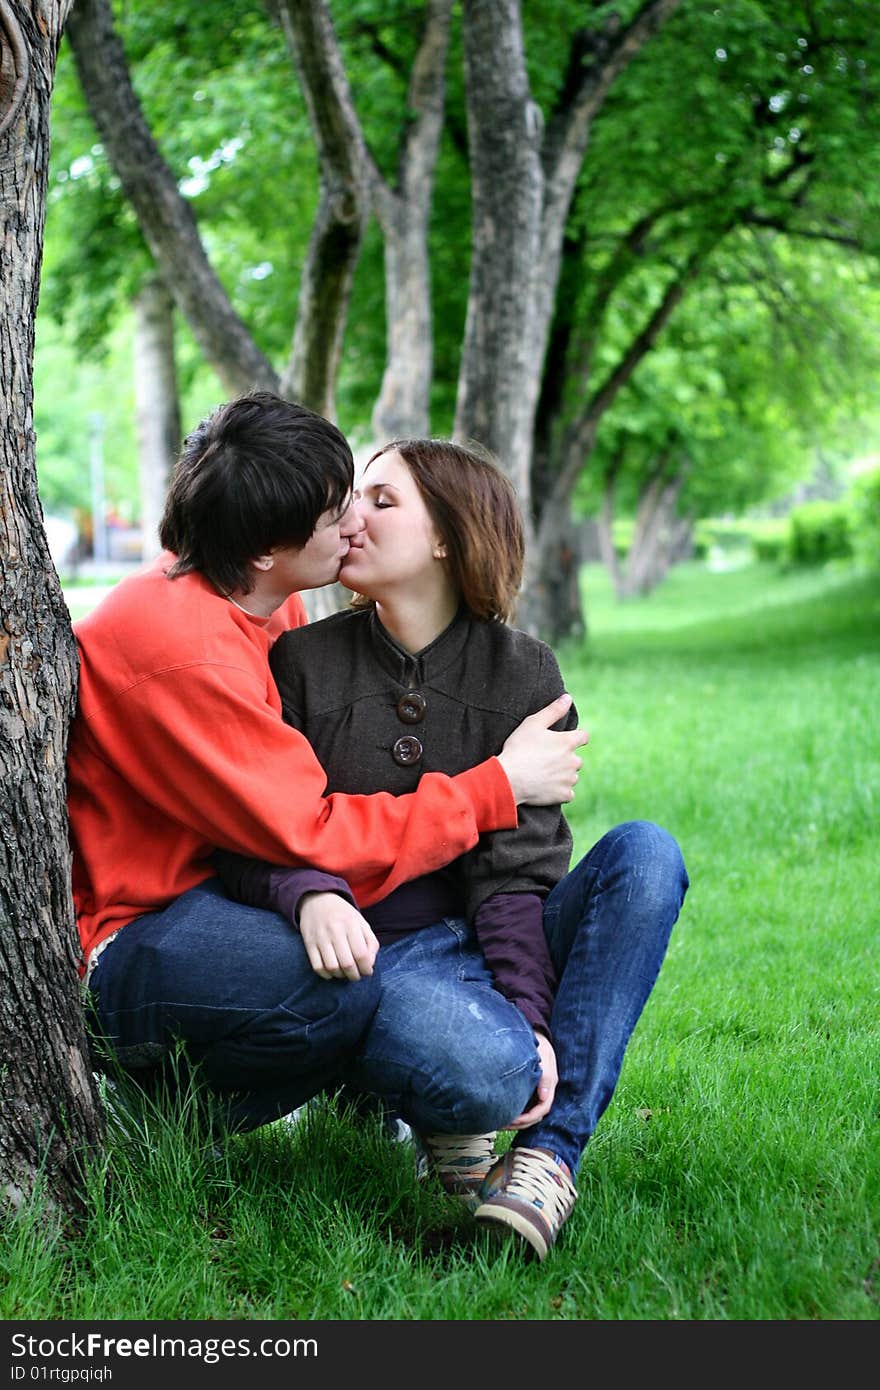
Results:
<point x="744" y="113"/>
<point x="157" y="404"/>
<point x="612" y="159"/>
<point x="524" y="169"/>
<point x="48" y="1110"/>
<point x="771" y="358"/>
<point x="349" y="180"/>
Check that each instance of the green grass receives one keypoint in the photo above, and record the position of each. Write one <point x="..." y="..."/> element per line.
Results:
<point x="736" y="1174"/>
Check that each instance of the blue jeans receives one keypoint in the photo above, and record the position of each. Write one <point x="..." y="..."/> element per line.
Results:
<point x="426" y="1031"/>
<point x="607" y="924"/>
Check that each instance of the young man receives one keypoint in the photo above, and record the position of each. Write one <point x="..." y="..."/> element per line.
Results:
<point x="178" y="748"/>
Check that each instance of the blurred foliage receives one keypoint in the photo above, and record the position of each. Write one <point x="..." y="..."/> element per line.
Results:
<point x="744" y="133"/>
<point x="866" y="517"/>
<point x="818" y="532"/>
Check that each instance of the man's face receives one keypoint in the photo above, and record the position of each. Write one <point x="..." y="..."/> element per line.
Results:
<point x="318" y="562"/>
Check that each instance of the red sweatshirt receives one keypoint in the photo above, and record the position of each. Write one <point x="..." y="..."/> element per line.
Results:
<point x="178" y="747"/>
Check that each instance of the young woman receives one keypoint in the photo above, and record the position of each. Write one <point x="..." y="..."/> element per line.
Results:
<point x="509" y="987"/>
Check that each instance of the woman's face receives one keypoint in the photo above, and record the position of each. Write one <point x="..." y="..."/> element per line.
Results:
<point x="398" y="545"/>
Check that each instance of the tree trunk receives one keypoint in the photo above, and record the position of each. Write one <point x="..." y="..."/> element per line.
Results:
<point x="501" y="355"/>
<point x="49" y="1117"/>
<point x="648" y="559"/>
<point x="522" y="184"/>
<point x="551" y="602"/>
<point x="607" y="548"/>
<point x="402" y="409"/>
<point x="343" y="206"/>
<point x="165" y="217"/>
<point x="329" y="599"/>
<point x="157" y="405"/>
<point x="577" y="439"/>
<point x="681" y="540"/>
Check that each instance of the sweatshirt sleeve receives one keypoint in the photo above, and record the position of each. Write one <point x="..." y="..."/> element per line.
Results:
<point x="510" y="930"/>
<point x="233" y="772"/>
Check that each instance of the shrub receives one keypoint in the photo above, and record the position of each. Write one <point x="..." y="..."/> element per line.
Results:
<point x="720" y="536"/>
<point x="769" y="540"/>
<point x="866" y="518"/>
<point x="819" y="532"/>
<point x="622" y="531"/>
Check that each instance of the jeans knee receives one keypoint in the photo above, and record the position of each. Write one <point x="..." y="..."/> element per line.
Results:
<point x="484" y="1089"/>
<point x="665" y="871"/>
<point x="650" y="857"/>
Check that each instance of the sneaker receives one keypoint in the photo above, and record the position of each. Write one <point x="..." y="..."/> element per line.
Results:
<point x="396" y="1130"/>
<point x="529" y="1191"/>
<point x="462" y="1162"/>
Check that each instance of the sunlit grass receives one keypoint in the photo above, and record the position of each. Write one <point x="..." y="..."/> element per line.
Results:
<point x="736" y="1174"/>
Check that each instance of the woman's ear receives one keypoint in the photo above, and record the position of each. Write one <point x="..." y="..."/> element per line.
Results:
<point x="440" y="551"/>
<point x="263" y="562"/>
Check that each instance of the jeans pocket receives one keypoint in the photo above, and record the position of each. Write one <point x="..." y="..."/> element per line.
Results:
<point x="459" y="929"/>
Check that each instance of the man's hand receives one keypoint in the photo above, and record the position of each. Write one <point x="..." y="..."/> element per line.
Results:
<point x="541" y="763"/>
<point x="339" y="942"/>
<point x="545" y="1089"/>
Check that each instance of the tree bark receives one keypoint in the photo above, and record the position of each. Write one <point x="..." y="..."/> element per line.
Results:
<point x="523" y="180"/>
<point x="653" y="536"/>
<point x="578" y="439"/>
<point x="165" y="217"/>
<point x="157" y="404"/>
<point x="402" y="409"/>
<point x="343" y="206"/>
<point x="551" y="601"/>
<point x="49" y="1117"/>
<point x="500" y="366"/>
<point x="607" y="548"/>
<point x="348" y="176"/>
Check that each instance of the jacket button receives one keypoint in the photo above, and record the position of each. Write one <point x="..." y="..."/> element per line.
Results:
<point x="406" y="751"/>
<point x="411" y="707"/>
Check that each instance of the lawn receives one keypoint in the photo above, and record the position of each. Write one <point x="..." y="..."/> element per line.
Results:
<point x="736" y="1173"/>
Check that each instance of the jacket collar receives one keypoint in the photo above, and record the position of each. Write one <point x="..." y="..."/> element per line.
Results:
<point x="419" y="668"/>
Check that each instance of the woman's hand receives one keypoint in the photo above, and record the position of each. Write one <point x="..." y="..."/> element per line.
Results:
<point x="339" y="942"/>
<point x="545" y="1089"/>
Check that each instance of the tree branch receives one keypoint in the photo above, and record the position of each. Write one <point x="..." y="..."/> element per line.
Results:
<point x="596" y="60"/>
<point x="778" y="224"/>
<point x="421" y="137"/>
<point x="581" y="433"/>
<point x="403" y="403"/>
<point x="343" y="206"/>
<point x="426" y="99"/>
<point x="453" y="126"/>
<point x="21" y="66"/>
<point x="645" y="339"/>
<point x="166" y="219"/>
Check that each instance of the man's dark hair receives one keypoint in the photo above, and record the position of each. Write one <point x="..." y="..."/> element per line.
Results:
<point x="255" y="474"/>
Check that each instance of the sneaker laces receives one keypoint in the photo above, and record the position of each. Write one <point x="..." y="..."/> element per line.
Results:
<point x="536" y="1177"/>
<point x="456" y="1153"/>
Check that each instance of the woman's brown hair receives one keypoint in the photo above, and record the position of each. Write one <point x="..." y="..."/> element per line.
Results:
<point x="476" y="512"/>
